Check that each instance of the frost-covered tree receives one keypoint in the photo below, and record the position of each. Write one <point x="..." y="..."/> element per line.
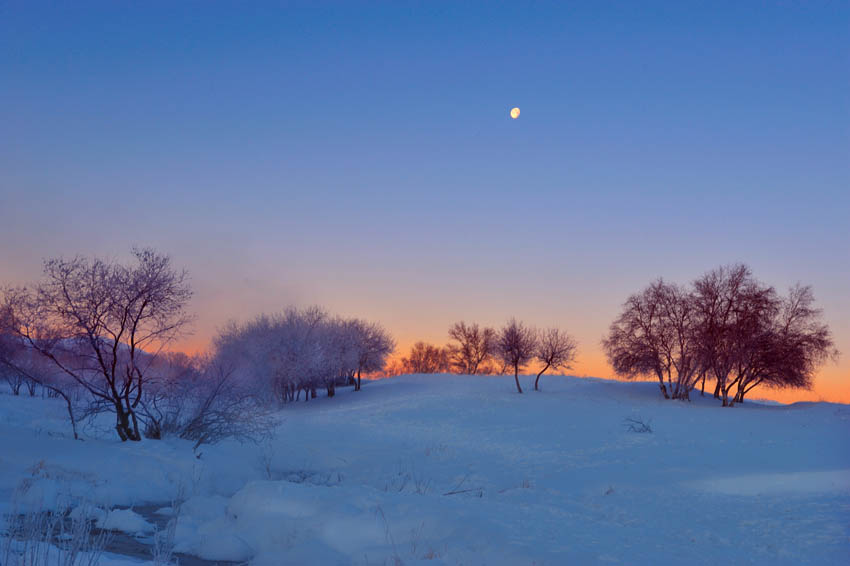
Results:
<point x="555" y="350"/>
<point x="515" y="346"/>
<point x="302" y="350"/>
<point x="373" y="345"/>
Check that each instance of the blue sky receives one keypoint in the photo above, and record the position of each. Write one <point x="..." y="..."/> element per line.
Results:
<point x="360" y="155"/>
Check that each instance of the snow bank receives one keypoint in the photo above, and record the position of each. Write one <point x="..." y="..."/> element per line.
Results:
<point x="125" y="520"/>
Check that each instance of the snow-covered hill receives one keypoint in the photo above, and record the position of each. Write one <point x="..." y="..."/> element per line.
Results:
<point x="463" y="470"/>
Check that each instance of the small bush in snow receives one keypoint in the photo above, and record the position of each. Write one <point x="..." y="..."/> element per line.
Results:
<point x="202" y="400"/>
<point x="637" y="425"/>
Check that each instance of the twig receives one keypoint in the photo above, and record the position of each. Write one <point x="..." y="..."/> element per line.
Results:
<point x="455" y="492"/>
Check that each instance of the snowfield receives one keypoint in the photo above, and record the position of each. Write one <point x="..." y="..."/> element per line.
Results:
<point x="463" y="470"/>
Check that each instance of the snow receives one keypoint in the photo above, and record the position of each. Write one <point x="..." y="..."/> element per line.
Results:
<point x="463" y="470"/>
<point x="831" y="481"/>
<point x="125" y="520"/>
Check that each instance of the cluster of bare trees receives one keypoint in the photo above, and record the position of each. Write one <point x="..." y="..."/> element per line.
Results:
<point x="726" y="327"/>
<point x="517" y="345"/>
<point x="423" y="358"/>
<point x="476" y="350"/>
<point x="303" y="350"/>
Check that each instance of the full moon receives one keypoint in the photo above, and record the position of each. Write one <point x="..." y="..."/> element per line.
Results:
<point x="514" y="113"/>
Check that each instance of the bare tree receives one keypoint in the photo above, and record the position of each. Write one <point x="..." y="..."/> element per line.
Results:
<point x="516" y="347"/>
<point x="555" y="350"/>
<point x="172" y="378"/>
<point x="94" y="319"/>
<point x="791" y="349"/>
<point x="654" y="335"/>
<point x="218" y="406"/>
<point x="679" y="341"/>
<point x="425" y="358"/>
<point x="472" y="348"/>
<point x="633" y="343"/>
<point x="735" y="313"/>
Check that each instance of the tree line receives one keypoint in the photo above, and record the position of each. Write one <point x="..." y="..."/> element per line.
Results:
<point x="726" y="327"/>
<point x="95" y="333"/>
<point x="477" y="350"/>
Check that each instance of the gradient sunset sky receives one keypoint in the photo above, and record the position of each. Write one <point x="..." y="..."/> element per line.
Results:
<point x="361" y="155"/>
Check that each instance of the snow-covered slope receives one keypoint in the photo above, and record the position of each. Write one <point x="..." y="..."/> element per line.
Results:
<point x="463" y="470"/>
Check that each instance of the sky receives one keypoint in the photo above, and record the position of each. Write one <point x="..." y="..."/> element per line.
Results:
<point x="361" y="156"/>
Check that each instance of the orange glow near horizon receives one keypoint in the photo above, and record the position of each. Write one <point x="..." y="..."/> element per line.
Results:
<point x="219" y="297"/>
<point x="831" y="384"/>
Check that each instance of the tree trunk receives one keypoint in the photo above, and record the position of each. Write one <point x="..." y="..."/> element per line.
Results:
<point x="739" y="395"/>
<point x="702" y="392"/>
<point x="670" y="384"/>
<point x="663" y="387"/>
<point x="717" y="390"/>
<point x="313" y="393"/>
<point x="137" y="436"/>
<point x="357" y="385"/>
<point x="71" y="415"/>
<point x="538" y="377"/>
<point x="120" y="428"/>
<point x="516" y="378"/>
<point x="126" y="431"/>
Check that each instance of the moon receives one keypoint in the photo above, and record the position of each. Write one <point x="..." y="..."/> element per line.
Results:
<point x="514" y="113"/>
